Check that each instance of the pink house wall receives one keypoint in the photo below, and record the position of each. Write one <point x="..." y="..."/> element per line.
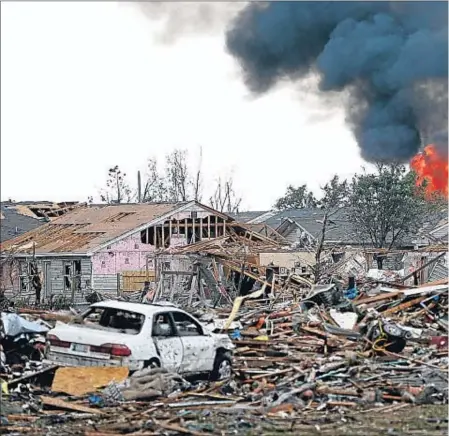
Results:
<point x="130" y="254"/>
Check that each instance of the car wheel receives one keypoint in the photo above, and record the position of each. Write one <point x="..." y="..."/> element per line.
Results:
<point x="222" y="367"/>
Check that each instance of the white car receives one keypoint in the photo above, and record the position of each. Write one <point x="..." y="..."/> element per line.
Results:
<point x="116" y="333"/>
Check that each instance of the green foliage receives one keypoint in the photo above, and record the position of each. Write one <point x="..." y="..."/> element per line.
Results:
<point x="296" y="198"/>
<point x="387" y="206"/>
<point x="335" y="195"/>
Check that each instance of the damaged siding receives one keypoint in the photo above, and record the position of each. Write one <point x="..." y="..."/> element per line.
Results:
<point x="107" y="282"/>
<point x="60" y="277"/>
<point x="68" y="277"/>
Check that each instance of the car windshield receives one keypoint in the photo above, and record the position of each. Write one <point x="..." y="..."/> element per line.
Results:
<point x="113" y="320"/>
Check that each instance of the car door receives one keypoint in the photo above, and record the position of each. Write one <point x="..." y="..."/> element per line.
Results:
<point x="168" y="344"/>
<point x="199" y="350"/>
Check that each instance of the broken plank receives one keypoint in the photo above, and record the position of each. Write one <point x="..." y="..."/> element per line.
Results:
<point x="381" y="297"/>
<point x="31" y="375"/>
<point x="178" y="428"/>
<point x="65" y="405"/>
<point x="201" y="403"/>
<point x="19" y="418"/>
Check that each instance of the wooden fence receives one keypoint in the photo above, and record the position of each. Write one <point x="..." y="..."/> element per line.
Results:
<point x="135" y="280"/>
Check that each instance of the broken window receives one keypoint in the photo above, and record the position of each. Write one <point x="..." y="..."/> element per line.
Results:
<point x="162" y="326"/>
<point x="24" y="276"/>
<point x="115" y="320"/>
<point x="23" y="284"/>
<point x="185" y="325"/>
<point x="72" y="275"/>
<point x="77" y="267"/>
<point x="144" y="236"/>
<point x="154" y="236"/>
<point x="67" y="276"/>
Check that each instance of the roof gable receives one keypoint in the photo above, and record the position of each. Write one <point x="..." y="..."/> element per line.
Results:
<point x="86" y="230"/>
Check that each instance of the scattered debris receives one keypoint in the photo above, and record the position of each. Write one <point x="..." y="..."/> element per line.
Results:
<point x="305" y="356"/>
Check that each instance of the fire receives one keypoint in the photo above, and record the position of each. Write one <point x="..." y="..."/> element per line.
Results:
<point x="432" y="169"/>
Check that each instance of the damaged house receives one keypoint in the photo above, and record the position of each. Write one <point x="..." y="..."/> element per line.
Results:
<point x="98" y="247"/>
<point x="20" y="217"/>
<point x="302" y="229"/>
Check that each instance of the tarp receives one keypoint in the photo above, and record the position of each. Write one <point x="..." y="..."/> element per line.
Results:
<point x="14" y="325"/>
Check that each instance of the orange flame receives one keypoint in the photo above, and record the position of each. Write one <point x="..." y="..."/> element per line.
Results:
<point x="432" y="170"/>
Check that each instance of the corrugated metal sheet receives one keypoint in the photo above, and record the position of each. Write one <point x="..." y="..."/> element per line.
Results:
<point x="441" y="233"/>
<point x="440" y="271"/>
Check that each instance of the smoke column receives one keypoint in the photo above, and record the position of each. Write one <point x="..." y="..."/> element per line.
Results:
<point x="388" y="59"/>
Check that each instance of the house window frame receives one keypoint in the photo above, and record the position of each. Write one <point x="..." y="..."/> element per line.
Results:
<point x="24" y="276"/>
<point x="74" y="275"/>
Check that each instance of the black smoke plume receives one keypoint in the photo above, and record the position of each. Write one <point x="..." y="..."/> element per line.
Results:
<point x="389" y="60"/>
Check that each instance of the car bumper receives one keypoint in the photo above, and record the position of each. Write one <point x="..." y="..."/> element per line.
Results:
<point x="63" y="359"/>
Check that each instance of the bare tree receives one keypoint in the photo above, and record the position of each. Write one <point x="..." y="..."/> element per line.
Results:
<point x="335" y="198"/>
<point x="174" y="183"/>
<point x="177" y="176"/>
<point x="155" y="188"/>
<point x="117" y="188"/>
<point x="224" y="199"/>
<point x="198" y="181"/>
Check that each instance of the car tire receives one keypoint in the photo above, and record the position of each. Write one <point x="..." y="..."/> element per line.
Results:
<point x="222" y="367"/>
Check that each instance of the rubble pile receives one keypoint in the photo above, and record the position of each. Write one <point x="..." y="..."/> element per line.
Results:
<point x="306" y="362"/>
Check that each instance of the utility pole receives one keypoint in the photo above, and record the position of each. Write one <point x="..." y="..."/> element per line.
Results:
<point x="139" y="188"/>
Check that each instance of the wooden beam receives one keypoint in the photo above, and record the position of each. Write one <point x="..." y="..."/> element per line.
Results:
<point x="208" y="226"/>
